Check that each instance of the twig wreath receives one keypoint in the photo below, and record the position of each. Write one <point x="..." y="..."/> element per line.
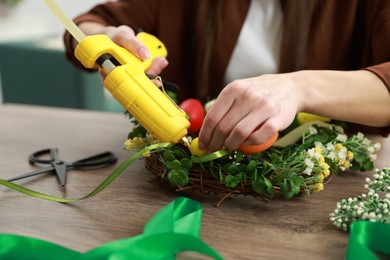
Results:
<point x="304" y="165"/>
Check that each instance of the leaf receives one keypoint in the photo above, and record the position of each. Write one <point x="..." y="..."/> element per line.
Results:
<point x="295" y="188"/>
<point x="355" y="166"/>
<point x="321" y="137"/>
<point x="168" y="156"/>
<point x="180" y="153"/>
<point x="231" y="181"/>
<point x="269" y="185"/>
<point x="239" y="157"/>
<point x="286" y="189"/>
<point x="368" y="165"/>
<point x="138" y="131"/>
<point x="178" y="177"/>
<point x="251" y="167"/>
<point x="186" y="163"/>
<point x="259" y="186"/>
<point x="359" y="156"/>
<point x="176" y="165"/>
<point x="232" y="169"/>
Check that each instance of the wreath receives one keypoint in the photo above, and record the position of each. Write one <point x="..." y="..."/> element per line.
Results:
<point x="303" y="160"/>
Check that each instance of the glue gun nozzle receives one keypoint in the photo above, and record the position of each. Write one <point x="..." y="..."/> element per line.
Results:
<point x="185" y="142"/>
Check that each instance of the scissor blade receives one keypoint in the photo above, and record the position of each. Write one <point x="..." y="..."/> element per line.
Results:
<point x="29" y="174"/>
<point x="60" y="168"/>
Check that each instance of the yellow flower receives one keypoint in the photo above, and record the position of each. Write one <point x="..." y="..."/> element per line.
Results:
<point x="318" y="187"/>
<point x="320" y="177"/>
<point x="326" y="173"/>
<point x="339" y="146"/>
<point x="150" y="139"/>
<point x="128" y="144"/>
<point x="138" y="142"/>
<point x="146" y="154"/>
<point x="318" y="150"/>
<point x="347" y="164"/>
<point x="349" y="155"/>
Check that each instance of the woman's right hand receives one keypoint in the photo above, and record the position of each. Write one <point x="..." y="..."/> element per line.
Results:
<point x="125" y="36"/>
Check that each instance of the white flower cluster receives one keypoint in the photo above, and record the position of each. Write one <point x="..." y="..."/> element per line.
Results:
<point x="373" y="206"/>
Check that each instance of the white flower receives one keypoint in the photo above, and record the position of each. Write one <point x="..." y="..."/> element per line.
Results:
<point x="330" y="147"/>
<point x="370" y="149"/>
<point x="312" y="130"/>
<point x="342" y="154"/>
<point x="360" y="136"/>
<point x="366" y="141"/>
<point x="310" y="152"/>
<point x="308" y="171"/>
<point x="331" y="155"/>
<point x="377" y="147"/>
<point x="341" y="138"/>
<point x="373" y="157"/>
<point x="339" y="129"/>
<point x="309" y="163"/>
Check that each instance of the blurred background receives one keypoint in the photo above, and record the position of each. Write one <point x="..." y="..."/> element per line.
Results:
<point x="33" y="67"/>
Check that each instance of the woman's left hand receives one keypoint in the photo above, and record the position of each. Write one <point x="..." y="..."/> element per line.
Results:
<point x="250" y="111"/>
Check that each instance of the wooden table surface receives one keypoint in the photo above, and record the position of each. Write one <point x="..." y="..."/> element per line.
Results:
<point x="242" y="228"/>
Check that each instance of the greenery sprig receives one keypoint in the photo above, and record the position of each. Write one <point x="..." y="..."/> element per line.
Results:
<point x="373" y="206"/>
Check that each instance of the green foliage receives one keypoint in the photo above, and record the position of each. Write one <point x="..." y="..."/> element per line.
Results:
<point x="178" y="165"/>
<point x="11" y="2"/>
<point x="291" y="170"/>
<point x="371" y="206"/>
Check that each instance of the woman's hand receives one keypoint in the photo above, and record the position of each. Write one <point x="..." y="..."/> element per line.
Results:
<point x="125" y="36"/>
<point x="250" y="111"/>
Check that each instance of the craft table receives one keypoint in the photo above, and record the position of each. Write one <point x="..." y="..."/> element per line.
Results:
<point x="241" y="228"/>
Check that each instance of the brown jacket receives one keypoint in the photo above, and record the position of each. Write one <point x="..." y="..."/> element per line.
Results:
<point x="334" y="35"/>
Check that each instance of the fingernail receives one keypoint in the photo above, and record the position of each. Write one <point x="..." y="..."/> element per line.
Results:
<point x="201" y="145"/>
<point x="144" y="54"/>
<point x="163" y="62"/>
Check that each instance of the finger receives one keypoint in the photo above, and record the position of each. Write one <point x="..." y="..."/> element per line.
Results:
<point x="244" y="129"/>
<point x="231" y="125"/>
<point x="157" y="66"/>
<point x="102" y="74"/>
<point x="264" y="132"/>
<point x="126" y="38"/>
<point x="221" y="106"/>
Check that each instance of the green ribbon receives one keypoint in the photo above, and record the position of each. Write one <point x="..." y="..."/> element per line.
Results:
<point x="174" y="229"/>
<point x="98" y="189"/>
<point x="368" y="240"/>
<point x="210" y="156"/>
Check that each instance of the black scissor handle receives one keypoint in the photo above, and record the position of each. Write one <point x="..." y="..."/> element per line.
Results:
<point x="97" y="160"/>
<point x="35" y="157"/>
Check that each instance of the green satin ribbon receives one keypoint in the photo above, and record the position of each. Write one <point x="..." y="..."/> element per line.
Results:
<point x="368" y="240"/>
<point x="174" y="229"/>
<point x="98" y="189"/>
<point x="111" y="177"/>
<point x="209" y="157"/>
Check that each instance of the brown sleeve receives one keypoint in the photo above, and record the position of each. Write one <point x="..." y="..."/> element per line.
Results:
<point x="379" y="43"/>
<point x="383" y="72"/>
<point x="380" y="40"/>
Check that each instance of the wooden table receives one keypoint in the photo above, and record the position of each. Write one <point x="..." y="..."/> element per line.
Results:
<point x="242" y="228"/>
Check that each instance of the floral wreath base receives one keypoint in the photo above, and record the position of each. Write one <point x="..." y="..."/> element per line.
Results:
<point x="303" y="166"/>
<point x="200" y="180"/>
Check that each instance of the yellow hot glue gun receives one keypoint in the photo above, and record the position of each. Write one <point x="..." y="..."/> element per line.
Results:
<point x="128" y="83"/>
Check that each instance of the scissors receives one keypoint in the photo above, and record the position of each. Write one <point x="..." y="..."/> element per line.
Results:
<point x="60" y="167"/>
